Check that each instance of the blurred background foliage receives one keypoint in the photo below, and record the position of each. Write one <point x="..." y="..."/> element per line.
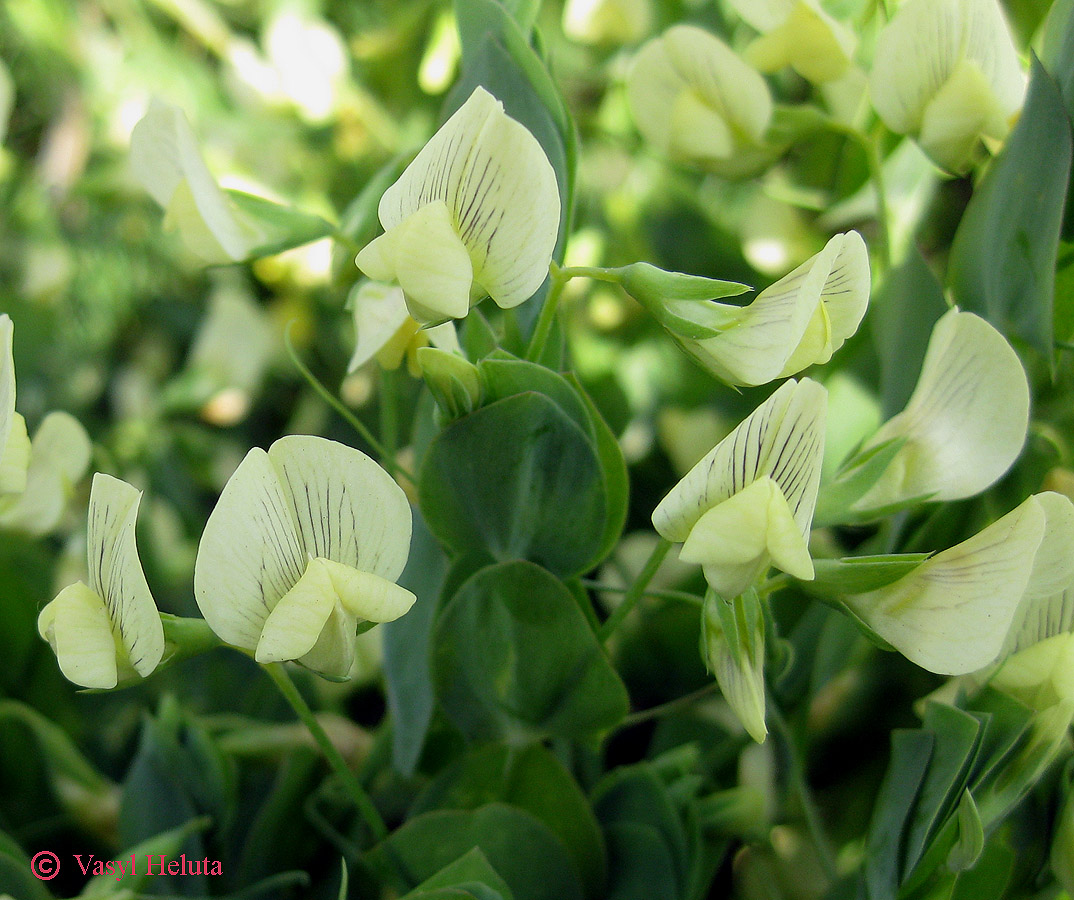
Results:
<point x="306" y="101"/>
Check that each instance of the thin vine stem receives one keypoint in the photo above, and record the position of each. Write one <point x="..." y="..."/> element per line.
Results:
<point x="664" y="709"/>
<point x="636" y="589"/>
<point x="870" y="147"/>
<point x="548" y="312"/>
<point x="810" y="812"/>
<point x="682" y="596"/>
<point x="386" y="457"/>
<point x="353" y="786"/>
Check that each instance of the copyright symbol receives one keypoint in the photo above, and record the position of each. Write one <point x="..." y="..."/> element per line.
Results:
<point x="45" y="865"/>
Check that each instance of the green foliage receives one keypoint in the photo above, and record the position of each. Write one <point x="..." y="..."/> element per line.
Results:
<point x="1003" y="256"/>
<point x="539" y="670"/>
<point x="540" y="723"/>
<point x="498" y="480"/>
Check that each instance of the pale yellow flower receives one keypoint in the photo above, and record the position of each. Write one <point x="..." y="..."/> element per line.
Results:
<point x="475" y="214"/>
<point x="952" y="614"/>
<point x="797" y="33"/>
<point x="109" y="629"/>
<point x="749" y="502"/>
<point x="947" y="73"/>
<point x="697" y="101"/>
<point x="304" y="545"/>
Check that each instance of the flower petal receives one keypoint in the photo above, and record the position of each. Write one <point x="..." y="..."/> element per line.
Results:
<point x="965" y="422"/>
<point x="166" y="161"/>
<point x="818" y="47"/>
<point x="799" y="321"/>
<point x="607" y="21"/>
<point x="293" y="626"/>
<point x="250" y="554"/>
<point x="346" y="508"/>
<point x="726" y="99"/>
<point x="333" y="654"/>
<point x="115" y="572"/>
<point x="379" y="311"/>
<point x="15" y="457"/>
<point x="782" y="438"/>
<point x="501" y="193"/>
<point x="59" y="456"/>
<point x="961" y="112"/>
<point x="368" y="596"/>
<point x="736" y="539"/>
<point x="924" y="43"/>
<point x="7" y="383"/>
<point x="697" y="131"/>
<point x="951" y="614"/>
<point x="1053" y="563"/>
<point x="762" y="15"/>
<point x="724" y="80"/>
<point x="433" y="266"/>
<point x="77" y="626"/>
<point x="1042" y="674"/>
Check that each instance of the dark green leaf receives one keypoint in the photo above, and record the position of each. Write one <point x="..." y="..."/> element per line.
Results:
<point x="532" y="780"/>
<point x="988" y="879"/>
<point x="532" y="861"/>
<point x="15" y="875"/>
<point x="505" y="376"/>
<point x="177" y="775"/>
<point x="471" y="868"/>
<point x="902" y="314"/>
<point x="641" y="863"/>
<point x="613" y="471"/>
<point x="957" y="742"/>
<point x="516" y="658"/>
<point x="500" y="479"/>
<point x="283" y="227"/>
<point x="407" y="643"/>
<point x="1003" y="257"/>
<point x="635" y="796"/>
<point x="910" y="755"/>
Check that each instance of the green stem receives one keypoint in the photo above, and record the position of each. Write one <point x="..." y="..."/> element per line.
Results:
<point x="883" y="215"/>
<point x="389" y="412"/>
<point x="773" y="584"/>
<point x="386" y="458"/>
<point x="825" y="855"/>
<point x="656" y="712"/>
<point x="636" y="589"/>
<point x="548" y="312"/>
<point x="186" y="637"/>
<point x="870" y="148"/>
<point x="683" y="596"/>
<point x="350" y="781"/>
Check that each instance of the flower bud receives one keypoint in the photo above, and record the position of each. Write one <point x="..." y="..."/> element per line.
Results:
<point x="799" y="321"/>
<point x="733" y="641"/>
<point x="454" y="381"/>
